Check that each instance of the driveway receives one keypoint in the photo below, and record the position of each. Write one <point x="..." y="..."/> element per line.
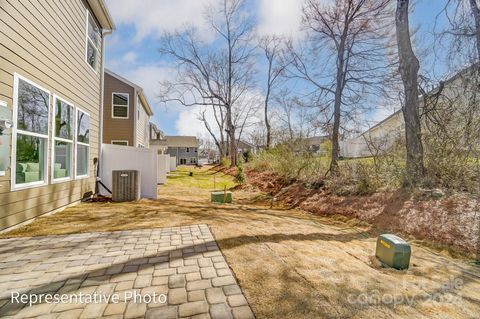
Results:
<point x="174" y="272"/>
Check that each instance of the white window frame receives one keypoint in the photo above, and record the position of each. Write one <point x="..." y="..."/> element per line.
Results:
<point x="72" y="142"/>
<point x="119" y="141"/>
<point x="77" y="109"/>
<point x="128" y="106"/>
<point x="14" y="186"/>
<point x="87" y="40"/>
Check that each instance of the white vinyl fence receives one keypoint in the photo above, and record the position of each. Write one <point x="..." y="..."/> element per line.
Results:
<point x="163" y="167"/>
<point x="118" y="157"/>
<point x="173" y="163"/>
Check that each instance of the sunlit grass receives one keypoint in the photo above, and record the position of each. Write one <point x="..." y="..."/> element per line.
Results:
<point x="205" y="178"/>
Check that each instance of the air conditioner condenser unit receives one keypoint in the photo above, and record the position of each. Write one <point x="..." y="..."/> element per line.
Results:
<point x="125" y="185"/>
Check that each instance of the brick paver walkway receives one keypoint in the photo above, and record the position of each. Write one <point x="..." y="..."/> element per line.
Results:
<point x="183" y="264"/>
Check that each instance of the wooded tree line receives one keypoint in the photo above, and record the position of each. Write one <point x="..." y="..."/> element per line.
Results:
<point x="349" y="55"/>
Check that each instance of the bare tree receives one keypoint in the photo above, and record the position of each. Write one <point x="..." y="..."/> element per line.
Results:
<point x="271" y="47"/>
<point x="244" y="113"/>
<point x="217" y="134"/>
<point x="459" y="40"/>
<point x="476" y="16"/>
<point x="347" y="46"/>
<point x="214" y="73"/>
<point x="408" y="67"/>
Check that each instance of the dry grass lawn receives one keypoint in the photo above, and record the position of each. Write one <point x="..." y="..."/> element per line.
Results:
<point x="289" y="263"/>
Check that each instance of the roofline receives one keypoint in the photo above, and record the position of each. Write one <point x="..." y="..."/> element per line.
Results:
<point x="448" y="80"/>
<point x="381" y="122"/>
<point x="145" y="103"/>
<point x="139" y="89"/>
<point x="102" y="14"/>
<point x="121" y="78"/>
<point x="193" y="136"/>
<point x="165" y="138"/>
<point x="245" y="142"/>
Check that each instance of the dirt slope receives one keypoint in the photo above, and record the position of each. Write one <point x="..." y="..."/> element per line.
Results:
<point x="452" y="221"/>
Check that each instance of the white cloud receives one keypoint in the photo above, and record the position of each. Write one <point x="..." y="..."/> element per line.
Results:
<point x="154" y="17"/>
<point x="281" y="17"/>
<point x="189" y="124"/>
<point x="130" y="57"/>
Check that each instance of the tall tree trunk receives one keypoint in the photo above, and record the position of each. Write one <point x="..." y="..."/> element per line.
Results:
<point x="476" y="16"/>
<point x="267" y="123"/>
<point x="408" y="67"/>
<point x="231" y="137"/>
<point x="267" y="99"/>
<point x="337" y="107"/>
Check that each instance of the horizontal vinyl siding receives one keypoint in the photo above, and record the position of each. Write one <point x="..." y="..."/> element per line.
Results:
<point x="44" y="41"/>
<point x="142" y="126"/>
<point x="114" y="128"/>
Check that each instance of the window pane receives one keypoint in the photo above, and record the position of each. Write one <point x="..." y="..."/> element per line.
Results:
<point x="120" y="99"/>
<point x="120" y="111"/>
<point x="63" y="120"/>
<point x="30" y="163"/>
<point x="93" y="31"/>
<point x="82" y="160"/>
<point x="91" y="55"/>
<point x="83" y="130"/>
<point x="63" y="156"/>
<point x="125" y="143"/>
<point x="32" y="108"/>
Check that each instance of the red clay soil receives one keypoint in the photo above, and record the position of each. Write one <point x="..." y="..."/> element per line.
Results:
<point x="453" y="221"/>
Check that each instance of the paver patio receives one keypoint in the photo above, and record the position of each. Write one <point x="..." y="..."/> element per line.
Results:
<point x="184" y="264"/>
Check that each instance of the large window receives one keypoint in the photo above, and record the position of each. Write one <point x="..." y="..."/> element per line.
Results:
<point x="93" y="42"/>
<point x="62" y="139"/>
<point x="30" y="136"/>
<point x="82" y="144"/>
<point x="120" y="105"/>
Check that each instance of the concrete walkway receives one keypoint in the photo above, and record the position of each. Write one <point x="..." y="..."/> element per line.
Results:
<point x="176" y="272"/>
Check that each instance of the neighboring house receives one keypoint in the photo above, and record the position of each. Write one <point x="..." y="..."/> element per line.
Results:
<point x="155" y="132"/>
<point x="314" y="143"/>
<point x="184" y="148"/>
<point x="126" y="114"/>
<point x="243" y="147"/>
<point x="208" y="155"/>
<point x="51" y="72"/>
<point x="379" y="137"/>
<point x="384" y="134"/>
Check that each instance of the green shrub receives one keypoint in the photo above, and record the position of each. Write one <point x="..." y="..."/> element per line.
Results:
<point x="225" y="162"/>
<point x="291" y="165"/>
<point x="248" y="156"/>
<point x="240" y="175"/>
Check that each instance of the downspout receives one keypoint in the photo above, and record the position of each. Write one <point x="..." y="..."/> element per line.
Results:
<point x="102" y="84"/>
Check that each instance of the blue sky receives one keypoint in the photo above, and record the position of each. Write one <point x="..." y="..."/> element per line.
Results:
<point x="132" y="49"/>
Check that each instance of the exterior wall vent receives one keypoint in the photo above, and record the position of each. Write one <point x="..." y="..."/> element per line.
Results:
<point x="125" y="185"/>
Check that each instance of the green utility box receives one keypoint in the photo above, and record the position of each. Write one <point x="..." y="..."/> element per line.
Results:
<point x="221" y="197"/>
<point x="393" y="251"/>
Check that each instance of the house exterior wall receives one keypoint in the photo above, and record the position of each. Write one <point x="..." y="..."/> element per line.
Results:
<point x="142" y="126"/>
<point x="380" y="137"/>
<point x="181" y="154"/>
<point x="45" y="42"/>
<point x="455" y="96"/>
<point x="118" y="129"/>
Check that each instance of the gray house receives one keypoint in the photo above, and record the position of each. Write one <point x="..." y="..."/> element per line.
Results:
<point x="184" y="148"/>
